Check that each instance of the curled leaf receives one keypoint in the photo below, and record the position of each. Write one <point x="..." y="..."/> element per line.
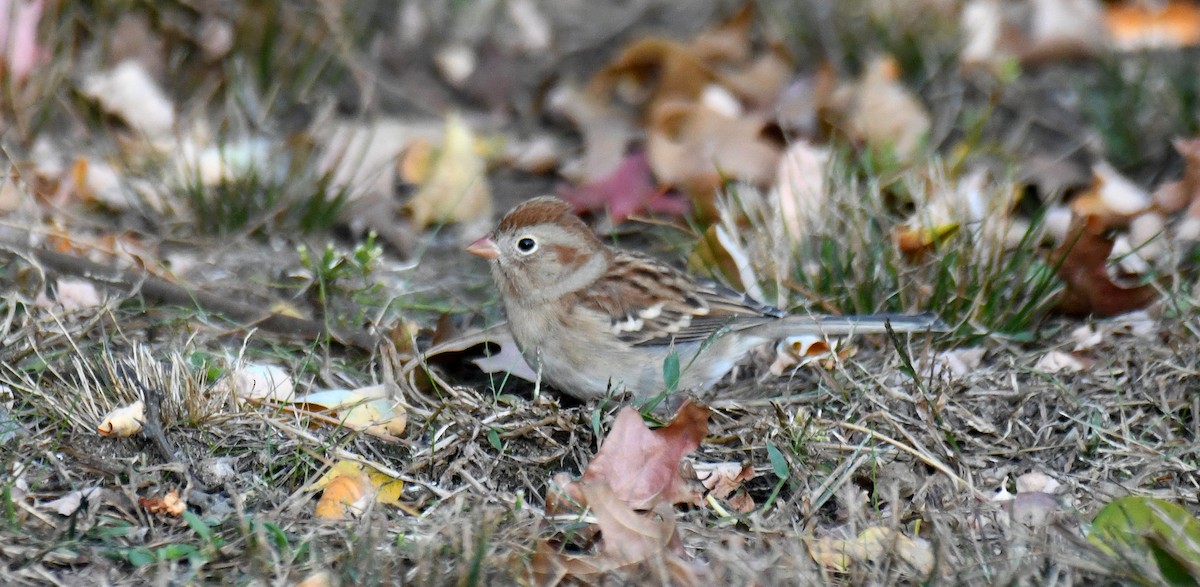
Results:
<point x="124" y="421"/>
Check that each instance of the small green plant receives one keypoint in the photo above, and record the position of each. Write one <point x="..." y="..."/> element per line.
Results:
<point x="343" y="284"/>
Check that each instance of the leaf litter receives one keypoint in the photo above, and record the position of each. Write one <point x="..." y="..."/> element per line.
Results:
<point x="817" y="461"/>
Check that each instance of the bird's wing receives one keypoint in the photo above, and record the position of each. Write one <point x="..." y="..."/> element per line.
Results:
<point x="649" y="303"/>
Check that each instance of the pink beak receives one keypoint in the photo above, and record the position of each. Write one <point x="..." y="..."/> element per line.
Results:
<point x="484" y="247"/>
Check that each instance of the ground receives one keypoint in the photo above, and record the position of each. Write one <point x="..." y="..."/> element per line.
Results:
<point x="193" y="282"/>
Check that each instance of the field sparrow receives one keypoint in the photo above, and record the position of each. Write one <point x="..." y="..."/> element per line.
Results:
<point x="594" y="319"/>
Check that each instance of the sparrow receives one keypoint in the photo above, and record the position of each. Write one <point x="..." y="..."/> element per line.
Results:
<point x="595" y="320"/>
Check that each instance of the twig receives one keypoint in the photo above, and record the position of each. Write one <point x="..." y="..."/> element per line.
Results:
<point x="927" y="459"/>
<point x="160" y="290"/>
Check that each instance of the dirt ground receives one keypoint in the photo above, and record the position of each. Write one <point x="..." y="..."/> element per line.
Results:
<point x="909" y="436"/>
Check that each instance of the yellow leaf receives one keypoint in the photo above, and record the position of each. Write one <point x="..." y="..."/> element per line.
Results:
<point x="456" y="188"/>
<point x="124" y="421"/>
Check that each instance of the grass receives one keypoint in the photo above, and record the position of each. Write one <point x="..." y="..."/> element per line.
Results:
<point x="877" y="439"/>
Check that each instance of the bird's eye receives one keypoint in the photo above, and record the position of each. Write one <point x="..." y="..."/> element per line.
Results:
<point x="526" y="245"/>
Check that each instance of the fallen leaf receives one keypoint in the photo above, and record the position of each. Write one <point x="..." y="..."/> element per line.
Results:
<point x="628" y="190"/>
<point x="20" y="52"/>
<point x="1185" y="192"/>
<point x="1060" y="362"/>
<point x="878" y="541"/>
<point x="953" y="363"/>
<point x="970" y="201"/>
<point x="652" y="71"/>
<point x="261" y="382"/>
<point x="800" y="194"/>
<point x="799" y="350"/>
<point x="696" y="148"/>
<point x="880" y="111"/>
<point x="1137" y="26"/>
<point x="760" y="83"/>
<point x="366" y="408"/>
<point x="360" y="158"/>
<point x="727" y="41"/>
<point x="348" y="488"/>
<point x="606" y="132"/>
<point x="129" y="92"/>
<point x="1036" y="481"/>
<point x="871" y="546"/>
<point x="321" y="578"/>
<point x="722" y="479"/>
<point x="70" y="502"/>
<point x="640" y="465"/>
<point x="1082" y="262"/>
<point x="74" y="294"/>
<point x="169" y="504"/>
<point x="1029" y="31"/>
<point x="507" y="360"/>
<point x="457" y="187"/>
<point x="1111" y="196"/>
<point x="124" y="421"/>
<point x="627" y="539"/>
<point x="1159" y="530"/>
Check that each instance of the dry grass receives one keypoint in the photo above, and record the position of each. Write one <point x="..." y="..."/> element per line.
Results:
<point x="881" y="438"/>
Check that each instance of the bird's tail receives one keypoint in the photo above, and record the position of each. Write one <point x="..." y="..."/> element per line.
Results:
<point x="857" y="324"/>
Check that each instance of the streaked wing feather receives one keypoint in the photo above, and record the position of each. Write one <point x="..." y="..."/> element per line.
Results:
<point x="651" y="303"/>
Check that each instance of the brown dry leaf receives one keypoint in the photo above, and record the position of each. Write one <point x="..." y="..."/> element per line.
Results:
<point x="642" y="465"/>
<point x="343" y="497"/>
<point x="728" y="41"/>
<point x="169" y="504"/>
<point x="457" y="187"/>
<point x="606" y="132"/>
<point x="760" y="83"/>
<point x="878" y="541"/>
<point x="1111" y="197"/>
<point x="321" y="578"/>
<point x="953" y="363"/>
<point x="970" y="201"/>
<point x="653" y="71"/>
<point x="627" y="539"/>
<point x="1185" y="192"/>
<point x="1083" y="265"/>
<point x="871" y="546"/>
<point x="719" y="251"/>
<point x="880" y="111"/>
<point x="1136" y="25"/>
<point x="124" y="421"/>
<point x="696" y="147"/>
<point x="833" y="554"/>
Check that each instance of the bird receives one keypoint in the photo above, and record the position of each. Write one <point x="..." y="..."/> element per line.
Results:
<point x="596" y="320"/>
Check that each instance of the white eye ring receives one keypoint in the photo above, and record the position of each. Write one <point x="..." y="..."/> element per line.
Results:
<point x="526" y="245"/>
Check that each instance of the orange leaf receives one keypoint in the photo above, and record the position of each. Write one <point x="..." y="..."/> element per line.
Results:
<point x="343" y="497"/>
<point x="1139" y="25"/>
<point x="169" y="504"/>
